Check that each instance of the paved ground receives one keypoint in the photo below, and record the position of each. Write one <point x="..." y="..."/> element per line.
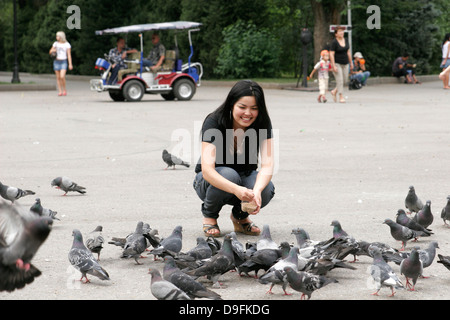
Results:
<point x="352" y="162"/>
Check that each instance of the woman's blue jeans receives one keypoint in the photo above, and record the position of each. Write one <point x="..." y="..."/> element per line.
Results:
<point x="214" y="199"/>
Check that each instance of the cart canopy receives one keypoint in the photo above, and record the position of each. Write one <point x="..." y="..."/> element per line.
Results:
<point x="176" y="25"/>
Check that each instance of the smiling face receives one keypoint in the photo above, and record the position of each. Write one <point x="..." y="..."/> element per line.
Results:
<point x="245" y="111"/>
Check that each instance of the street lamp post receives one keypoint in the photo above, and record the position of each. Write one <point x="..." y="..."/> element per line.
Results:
<point x="15" y="78"/>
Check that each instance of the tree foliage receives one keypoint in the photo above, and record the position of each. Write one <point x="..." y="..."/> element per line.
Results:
<point x="416" y="26"/>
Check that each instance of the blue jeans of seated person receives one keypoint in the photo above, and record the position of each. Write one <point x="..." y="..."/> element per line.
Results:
<point x="147" y="63"/>
<point x="214" y="199"/>
<point x="361" y="77"/>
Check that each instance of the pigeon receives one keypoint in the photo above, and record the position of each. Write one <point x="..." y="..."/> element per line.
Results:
<point x="321" y="266"/>
<point x="382" y="273"/>
<point x="12" y="193"/>
<point x="41" y="211"/>
<point x="306" y="282"/>
<point x="348" y="246"/>
<point x="411" y="267"/>
<point x="189" y="285"/>
<point x="402" y="233"/>
<point x="201" y="251"/>
<point x="163" y="289"/>
<point x="21" y="235"/>
<point x="338" y="232"/>
<point x="170" y="245"/>
<point x="264" y="259"/>
<point x="276" y="275"/>
<point x="135" y="244"/>
<point x="426" y="255"/>
<point x="412" y="201"/>
<point x="218" y="265"/>
<point x="67" y="185"/>
<point x="265" y="239"/>
<point x="238" y="250"/>
<point x="83" y="260"/>
<point x="445" y="213"/>
<point x="214" y="244"/>
<point x="172" y="160"/>
<point x="151" y="236"/>
<point x="404" y="220"/>
<point x="365" y="248"/>
<point x="444" y="260"/>
<point x="94" y="241"/>
<point x="424" y="217"/>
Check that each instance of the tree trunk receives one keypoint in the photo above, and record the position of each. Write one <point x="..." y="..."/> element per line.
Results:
<point x="325" y="13"/>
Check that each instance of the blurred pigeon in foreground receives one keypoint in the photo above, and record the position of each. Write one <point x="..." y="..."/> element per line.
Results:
<point x="424" y="217"/>
<point x="170" y="245"/>
<point x="402" y="233"/>
<point x="276" y="274"/>
<point x="412" y="201"/>
<point x="218" y="265"/>
<point x="411" y="267"/>
<point x="382" y="273"/>
<point x="12" y="193"/>
<point x="94" y="241"/>
<point x="404" y="220"/>
<point x="165" y="290"/>
<point x="172" y="160"/>
<point x="306" y="282"/>
<point x="445" y="213"/>
<point x="444" y="260"/>
<point x="67" y="185"/>
<point x="21" y="235"/>
<point x="41" y="211"/>
<point x="135" y="244"/>
<point x="192" y="287"/>
<point x="83" y="260"/>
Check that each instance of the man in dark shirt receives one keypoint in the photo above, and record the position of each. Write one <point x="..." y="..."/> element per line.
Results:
<point x="117" y="56"/>
<point x="157" y="54"/>
<point x="400" y="68"/>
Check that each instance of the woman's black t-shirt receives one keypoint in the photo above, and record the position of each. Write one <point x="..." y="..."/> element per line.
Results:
<point x="340" y="55"/>
<point x="241" y="156"/>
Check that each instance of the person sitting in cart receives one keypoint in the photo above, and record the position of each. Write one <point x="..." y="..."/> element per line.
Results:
<point x="117" y="56"/>
<point x="157" y="54"/>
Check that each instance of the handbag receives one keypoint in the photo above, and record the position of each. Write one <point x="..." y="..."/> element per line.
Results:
<point x="53" y="55"/>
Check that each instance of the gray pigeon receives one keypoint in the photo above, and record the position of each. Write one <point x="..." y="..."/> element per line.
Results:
<point x="265" y="239"/>
<point x="424" y="217"/>
<point x="21" y="235"/>
<point x="170" y="245"/>
<point x="349" y="245"/>
<point x="192" y="287"/>
<point x="382" y="273"/>
<point x="218" y="265"/>
<point x="444" y="260"/>
<point x="67" y="185"/>
<point x="172" y="160"/>
<point x="306" y="282"/>
<point x="12" y="193"/>
<point x="404" y="220"/>
<point x="238" y="250"/>
<point x="201" y="251"/>
<point x="135" y="244"/>
<point x="151" y="235"/>
<point x="402" y="233"/>
<point x="412" y="201"/>
<point x="41" y="211"/>
<point x="276" y="274"/>
<point x="94" y="241"/>
<point x="83" y="260"/>
<point x="445" y="213"/>
<point x="426" y="255"/>
<point x="411" y="267"/>
<point x="163" y="289"/>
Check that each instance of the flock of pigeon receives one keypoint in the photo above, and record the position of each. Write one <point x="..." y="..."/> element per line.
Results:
<point x="303" y="266"/>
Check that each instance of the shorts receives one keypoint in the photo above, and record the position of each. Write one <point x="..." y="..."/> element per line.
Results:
<point x="443" y="66"/>
<point x="323" y="86"/>
<point x="59" y="65"/>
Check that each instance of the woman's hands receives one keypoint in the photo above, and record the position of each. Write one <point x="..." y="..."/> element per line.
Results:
<point x="249" y="195"/>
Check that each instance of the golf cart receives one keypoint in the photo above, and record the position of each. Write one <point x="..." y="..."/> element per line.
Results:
<point x="173" y="79"/>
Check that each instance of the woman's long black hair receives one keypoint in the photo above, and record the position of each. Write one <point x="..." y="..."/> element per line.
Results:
<point x="243" y="88"/>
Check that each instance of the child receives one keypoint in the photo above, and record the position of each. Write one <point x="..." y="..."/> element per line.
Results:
<point x="323" y="66"/>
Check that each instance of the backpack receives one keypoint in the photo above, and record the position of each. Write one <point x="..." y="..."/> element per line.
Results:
<point x="354" y="84"/>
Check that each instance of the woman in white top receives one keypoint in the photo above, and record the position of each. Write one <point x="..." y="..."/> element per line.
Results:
<point x="63" y="61"/>
<point x="445" y="59"/>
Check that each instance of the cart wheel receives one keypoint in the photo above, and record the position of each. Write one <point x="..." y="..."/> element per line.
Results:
<point x="116" y="95"/>
<point x="133" y="90"/>
<point x="168" y="96"/>
<point x="184" y="89"/>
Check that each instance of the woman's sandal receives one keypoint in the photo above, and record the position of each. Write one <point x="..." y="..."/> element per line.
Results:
<point x="207" y="227"/>
<point x="245" y="228"/>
